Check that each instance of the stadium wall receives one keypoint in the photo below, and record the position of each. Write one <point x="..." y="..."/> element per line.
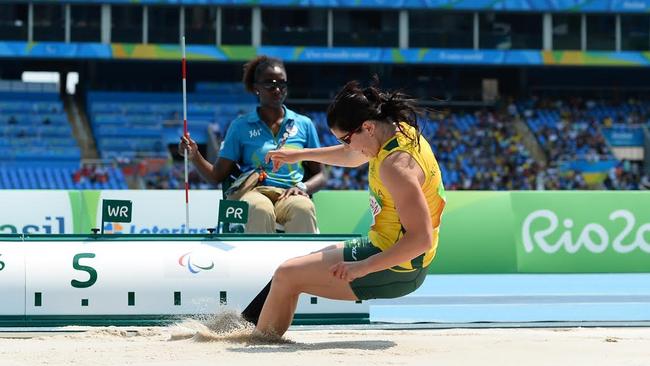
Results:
<point x="482" y="232"/>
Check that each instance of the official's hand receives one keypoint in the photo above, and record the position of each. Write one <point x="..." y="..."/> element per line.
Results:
<point x="349" y="271"/>
<point x="293" y="191"/>
<point x="281" y="157"/>
<point x="189" y="145"/>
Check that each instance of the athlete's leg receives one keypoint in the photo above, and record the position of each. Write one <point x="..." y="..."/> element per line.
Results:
<point x="308" y="274"/>
<point x="253" y="310"/>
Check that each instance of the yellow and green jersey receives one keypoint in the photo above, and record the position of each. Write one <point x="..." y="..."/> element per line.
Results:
<point x="386" y="227"/>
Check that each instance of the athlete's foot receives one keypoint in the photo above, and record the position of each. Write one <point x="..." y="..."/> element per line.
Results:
<point x="260" y="336"/>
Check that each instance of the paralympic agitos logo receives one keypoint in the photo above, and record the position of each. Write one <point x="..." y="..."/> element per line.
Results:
<point x="186" y="261"/>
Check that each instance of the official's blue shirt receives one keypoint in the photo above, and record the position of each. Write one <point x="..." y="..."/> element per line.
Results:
<point x="248" y="139"/>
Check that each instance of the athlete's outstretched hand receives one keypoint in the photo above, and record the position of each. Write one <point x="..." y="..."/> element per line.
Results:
<point x="282" y="156"/>
<point x="349" y="271"/>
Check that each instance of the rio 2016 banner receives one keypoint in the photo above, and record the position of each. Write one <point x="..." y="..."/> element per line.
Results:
<point x="481" y="232"/>
<point x="476" y="234"/>
<point x="524" y="232"/>
<point x="582" y="231"/>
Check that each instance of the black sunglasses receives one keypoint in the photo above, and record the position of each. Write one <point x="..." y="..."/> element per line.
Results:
<point x="345" y="139"/>
<point x="272" y="84"/>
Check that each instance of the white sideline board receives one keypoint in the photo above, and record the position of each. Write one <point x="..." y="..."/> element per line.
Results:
<point x="12" y="279"/>
<point x="135" y="277"/>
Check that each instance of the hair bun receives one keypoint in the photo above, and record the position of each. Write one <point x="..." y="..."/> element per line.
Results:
<point x="371" y="94"/>
<point x="380" y="112"/>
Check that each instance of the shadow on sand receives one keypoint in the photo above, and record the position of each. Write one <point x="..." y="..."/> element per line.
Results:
<point x="366" y="345"/>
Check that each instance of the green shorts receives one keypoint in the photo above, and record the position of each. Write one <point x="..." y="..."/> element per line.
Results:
<point x="386" y="284"/>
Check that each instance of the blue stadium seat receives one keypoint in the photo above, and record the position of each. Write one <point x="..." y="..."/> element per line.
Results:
<point x="141" y="115"/>
<point x="39" y="131"/>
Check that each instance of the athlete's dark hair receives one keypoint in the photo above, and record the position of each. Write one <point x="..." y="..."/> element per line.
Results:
<point x="254" y="67"/>
<point x="355" y="104"/>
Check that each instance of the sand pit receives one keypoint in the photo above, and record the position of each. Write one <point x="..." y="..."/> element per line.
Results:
<point x="152" y="346"/>
<point x="226" y="340"/>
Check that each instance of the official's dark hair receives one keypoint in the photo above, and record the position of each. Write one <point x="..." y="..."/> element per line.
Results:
<point x="254" y="67"/>
<point x="355" y="104"/>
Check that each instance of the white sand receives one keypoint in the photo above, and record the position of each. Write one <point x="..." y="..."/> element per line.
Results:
<point x="153" y="346"/>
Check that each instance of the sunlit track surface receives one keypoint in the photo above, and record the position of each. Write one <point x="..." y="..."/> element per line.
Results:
<point x="575" y="299"/>
<point x="486" y="325"/>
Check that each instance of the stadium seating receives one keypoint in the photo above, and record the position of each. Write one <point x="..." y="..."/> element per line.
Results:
<point x="569" y="132"/>
<point x="475" y="151"/>
<point x="140" y="124"/>
<point x="478" y="149"/>
<point x="34" y="126"/>
<point x="134" y="125"/>
<point x="37" y="148"/>
<point x="55" y="176"/>
<point x="573" y="132"/>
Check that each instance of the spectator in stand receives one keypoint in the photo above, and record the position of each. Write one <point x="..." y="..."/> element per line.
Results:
<point x="645" y="182"/>
<point x="77" y="177"/>
<point x="92" y="175"/>
<point x="101" y="174"/>
<point x="82" y="174"/>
